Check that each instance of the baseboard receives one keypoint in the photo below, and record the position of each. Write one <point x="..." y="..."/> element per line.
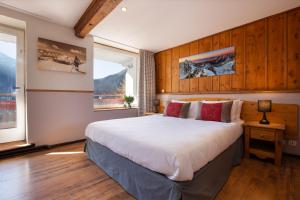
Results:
<point x="65" y="143"/>
<point x="33" y="148"/>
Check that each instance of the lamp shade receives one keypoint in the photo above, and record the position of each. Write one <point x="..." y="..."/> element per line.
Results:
<point x="264" y="105"/>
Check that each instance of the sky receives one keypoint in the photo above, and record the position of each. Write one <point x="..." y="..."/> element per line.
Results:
<point x="104" y="68"/>
<point x="8" y="49"/>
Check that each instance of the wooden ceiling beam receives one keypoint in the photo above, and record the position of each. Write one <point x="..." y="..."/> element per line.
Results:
<point x="93" y="15"/>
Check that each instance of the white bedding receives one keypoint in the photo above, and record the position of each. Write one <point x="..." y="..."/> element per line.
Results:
<point x="172" y="146"/>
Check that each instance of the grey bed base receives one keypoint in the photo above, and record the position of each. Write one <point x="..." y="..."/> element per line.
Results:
<point x="145" y="184"/>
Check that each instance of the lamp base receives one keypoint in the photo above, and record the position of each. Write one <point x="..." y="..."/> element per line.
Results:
<point x="264" y="119"/>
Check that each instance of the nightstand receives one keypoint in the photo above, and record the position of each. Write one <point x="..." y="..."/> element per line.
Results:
<point x="264" y="141"/>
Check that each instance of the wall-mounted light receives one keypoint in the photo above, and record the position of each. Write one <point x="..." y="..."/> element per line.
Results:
<point x="124" y="9"/>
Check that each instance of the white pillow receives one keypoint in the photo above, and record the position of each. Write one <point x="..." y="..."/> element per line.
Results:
<point x="234" y="108"/>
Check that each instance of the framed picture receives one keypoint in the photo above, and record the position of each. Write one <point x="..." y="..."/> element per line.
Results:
<point x="57" y="56"/>
<point x="213" y="63"/>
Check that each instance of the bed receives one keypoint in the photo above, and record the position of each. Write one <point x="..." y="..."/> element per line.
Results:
<point x="166" y="158"/>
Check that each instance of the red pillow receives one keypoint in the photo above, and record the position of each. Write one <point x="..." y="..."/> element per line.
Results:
<point x="219" y="112"/>
<point x="174" y="109"/>
<point x="211" y="112"/>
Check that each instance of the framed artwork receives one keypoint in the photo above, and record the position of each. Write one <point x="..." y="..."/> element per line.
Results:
<point x="57" y="56"/>
<point x="213" y="63"/>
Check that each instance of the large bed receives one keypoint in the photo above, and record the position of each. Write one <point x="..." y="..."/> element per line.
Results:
<point x="166" y="158"/>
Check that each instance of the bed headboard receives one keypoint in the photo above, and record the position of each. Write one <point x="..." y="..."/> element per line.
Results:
<point x="281" y="113"/>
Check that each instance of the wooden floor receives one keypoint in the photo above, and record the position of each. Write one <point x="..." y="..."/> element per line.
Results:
<point x="12" y="145"/>
<point x="65" y="173"/>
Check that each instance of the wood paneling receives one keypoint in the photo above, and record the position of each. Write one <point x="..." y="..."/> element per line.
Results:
<point x="225" y="80"/>
<point x="255" y="55"/>
<point x="184" y="85"/>
<point x="205" y="83"/>
<point x="168" y="71"/>
<point x="276" y="57"/>
<point x="194" y="84"/>
<point x="158" y="72"/>
<point x="267" y="58"/>
<point x="175" y="69"/>
<point x="293" y="46"/>
<point x="238" y="41"/>
<point x="215" y="79"/>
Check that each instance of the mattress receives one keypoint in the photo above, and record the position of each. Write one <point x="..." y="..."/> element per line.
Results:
<point x="171" y="146"/>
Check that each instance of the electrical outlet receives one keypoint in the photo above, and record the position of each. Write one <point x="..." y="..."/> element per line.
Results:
<point x="292" y="142"/>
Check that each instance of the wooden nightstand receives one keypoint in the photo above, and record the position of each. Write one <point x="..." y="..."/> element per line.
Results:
<point x="264" y="141"/>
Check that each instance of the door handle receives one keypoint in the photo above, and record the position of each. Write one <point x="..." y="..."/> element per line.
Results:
<point x="16" y="88"/>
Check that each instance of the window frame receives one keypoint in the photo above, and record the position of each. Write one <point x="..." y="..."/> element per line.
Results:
<point x="136" y="82"/>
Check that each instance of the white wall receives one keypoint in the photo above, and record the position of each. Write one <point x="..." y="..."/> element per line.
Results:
<point x="58" y="117"/>
<point x="38" y="79"/>
<point x="287" y="98"/>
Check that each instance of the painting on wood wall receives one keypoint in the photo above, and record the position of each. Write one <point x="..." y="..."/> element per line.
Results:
<point x="213" y="63"/>
<point x="57" y="56"/>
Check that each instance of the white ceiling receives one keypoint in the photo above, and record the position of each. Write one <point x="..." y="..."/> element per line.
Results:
<point x="64" y="12"/>
<point x="157" y="24"/>
<point x="160" y="24"/>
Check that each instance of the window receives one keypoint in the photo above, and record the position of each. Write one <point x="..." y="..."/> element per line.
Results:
<point x="115" y="75"/>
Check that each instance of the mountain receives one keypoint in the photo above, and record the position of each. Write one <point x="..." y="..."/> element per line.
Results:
<point x="112" y="84"/>
<point x="7" y="73"/>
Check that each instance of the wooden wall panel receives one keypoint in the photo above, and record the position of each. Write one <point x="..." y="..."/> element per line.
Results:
<point x="163" y="71"/>
<point x="255" y="55"/>
<point x="225" y="80"/>
<point x="194" y="81"/>
<point x="205" y="83"/>
<point x="267" y="58"/>
<point x="168" y="71"/>
<point x="158" y="73"/>
<point x="238" y="41"/>
<point x="276" y="56"/>
<point x="293" y="44"/>
<point x="215" y="79"/>
<point x="184" y="85"/>
<point x="175" y="69"/>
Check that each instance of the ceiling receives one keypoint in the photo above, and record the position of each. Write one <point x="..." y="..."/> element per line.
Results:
<point x="156" y="25"/>
<point x="64" y="12"/>
<point x="161" y="24"/>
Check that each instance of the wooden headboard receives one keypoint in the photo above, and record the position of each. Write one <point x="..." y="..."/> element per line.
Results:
<point x="281" y="113"/>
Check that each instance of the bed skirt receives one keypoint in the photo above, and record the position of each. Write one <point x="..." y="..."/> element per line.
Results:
<point x="145" y="184"/>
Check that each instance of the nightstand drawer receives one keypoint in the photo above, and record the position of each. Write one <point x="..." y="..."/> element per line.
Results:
<point x="262" y="134"/>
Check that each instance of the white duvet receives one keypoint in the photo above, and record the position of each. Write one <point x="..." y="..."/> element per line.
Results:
<point x="172" y="146"/>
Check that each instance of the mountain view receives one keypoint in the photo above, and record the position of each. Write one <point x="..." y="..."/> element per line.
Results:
<point x="110" y="90"/>
<point x="7" y="98"/>
<point x="7" y="73"/>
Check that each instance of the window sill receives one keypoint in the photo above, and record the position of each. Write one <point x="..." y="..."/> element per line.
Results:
<point x="110" y="109"/>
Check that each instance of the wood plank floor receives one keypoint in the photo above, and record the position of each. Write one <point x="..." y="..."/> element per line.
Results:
<point x="12" y="145"/>
<point x="65" y="173"/>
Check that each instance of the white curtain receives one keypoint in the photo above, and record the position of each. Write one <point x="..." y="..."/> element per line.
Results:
<point x="147" y="82"/>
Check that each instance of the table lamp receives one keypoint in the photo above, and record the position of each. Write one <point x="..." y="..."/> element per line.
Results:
<point x="264" y="106"/>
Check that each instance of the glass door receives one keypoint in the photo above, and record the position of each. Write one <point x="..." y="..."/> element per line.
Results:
<point x="12" y="105"/>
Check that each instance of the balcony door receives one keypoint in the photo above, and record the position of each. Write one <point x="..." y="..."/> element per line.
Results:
<point x="12" y="97"/>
